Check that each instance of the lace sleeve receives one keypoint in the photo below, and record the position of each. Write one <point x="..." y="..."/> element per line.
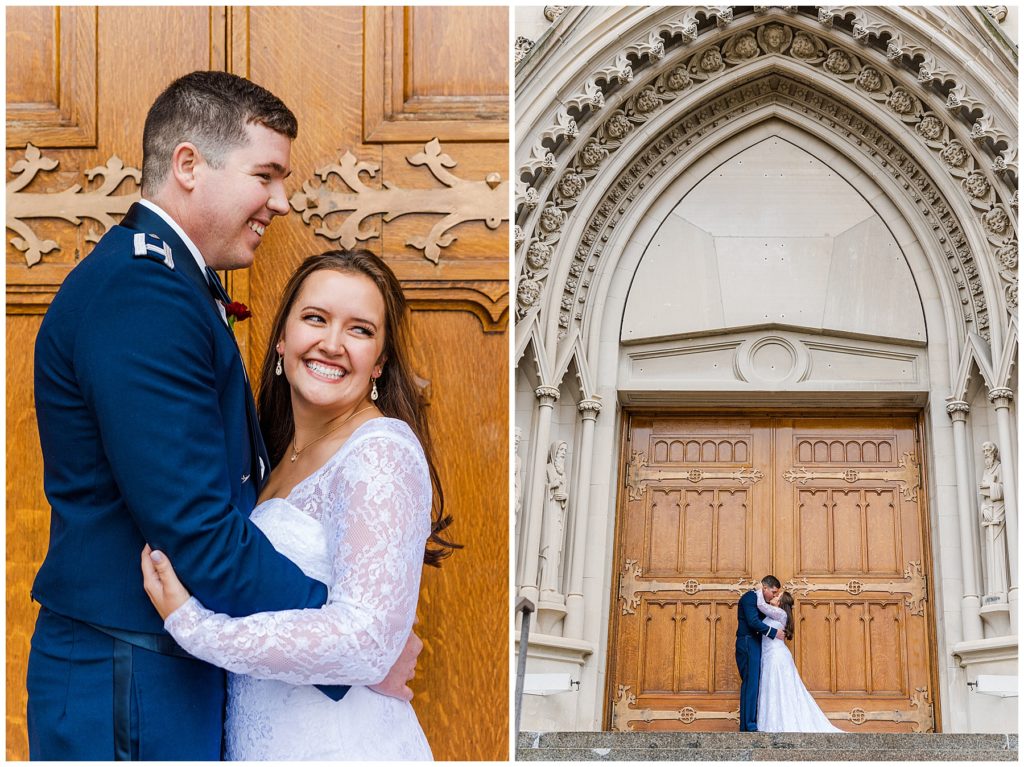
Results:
<point x="773" y="612"/>
<point x="376" y="505"/>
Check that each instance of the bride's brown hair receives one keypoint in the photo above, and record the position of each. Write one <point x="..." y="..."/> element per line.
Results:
<point x="786" y="603"/>
<point x="399" y="396"/>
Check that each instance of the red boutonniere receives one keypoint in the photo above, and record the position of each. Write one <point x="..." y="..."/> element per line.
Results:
<point x="236" y="312"/>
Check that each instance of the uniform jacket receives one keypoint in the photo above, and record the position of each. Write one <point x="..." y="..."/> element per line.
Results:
<point x="749" y="621"/>
<point x="149" y="434"/>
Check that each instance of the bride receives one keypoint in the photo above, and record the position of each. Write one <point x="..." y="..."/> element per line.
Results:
<point x="349" y="500"/>
<point x="783" y="702"/>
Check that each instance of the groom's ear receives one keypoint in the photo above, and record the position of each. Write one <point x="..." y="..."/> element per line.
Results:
<point x="184" y="160"/>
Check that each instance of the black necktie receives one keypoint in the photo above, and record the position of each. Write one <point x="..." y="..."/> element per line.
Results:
<point x="216" y="287"/>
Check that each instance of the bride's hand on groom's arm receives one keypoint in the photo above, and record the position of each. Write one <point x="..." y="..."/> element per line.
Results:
<point x="396" y="683"/>
<point x="161" y="583"/>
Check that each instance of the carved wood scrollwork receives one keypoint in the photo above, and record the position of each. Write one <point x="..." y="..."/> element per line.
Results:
<point x="638" y="474"/>
<point x="623" y="712"/>
<point x="72" y="204"/>
<point x="914" y="586"/>
<point x="631" y="587"/>
<point x="459" y="201"/>
<point x="921" y="716"/>
<point x="908" y="475"/>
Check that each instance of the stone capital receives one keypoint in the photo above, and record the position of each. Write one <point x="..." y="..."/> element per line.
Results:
<point x="958" y="410"/>
<point x="549" y="392"/>
<point x="1000" y="393"/>
<point x="589" y="409"/>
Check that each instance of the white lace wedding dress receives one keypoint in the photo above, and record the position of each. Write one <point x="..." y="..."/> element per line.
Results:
<point x="359" y="524"/>
<point x="783" y="702"/>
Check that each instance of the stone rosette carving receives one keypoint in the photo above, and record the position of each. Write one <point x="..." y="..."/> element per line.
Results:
<point x="73" y="204"/>
<point x="458" y="201"/>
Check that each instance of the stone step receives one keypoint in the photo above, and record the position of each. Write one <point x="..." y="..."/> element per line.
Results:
<point x="764" y="746"/>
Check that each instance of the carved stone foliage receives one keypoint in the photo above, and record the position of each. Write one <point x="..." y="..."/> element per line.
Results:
<point x="774" y="38"/>
<point x="458" y="201"/>
<point x="72" y="204"/>
<point x="523" y="46"/>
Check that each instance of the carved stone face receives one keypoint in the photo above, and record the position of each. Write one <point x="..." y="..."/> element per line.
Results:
<point x="991" y="453"/>
<point x="774" y="38"/>
<point x="900" y="101"/>
<point x="954" y="154"/>
<point x="618" y="126"/>
<point x="745" y="46"/>
<point x="930" y="127"/>
<point x="869" y="80"/>
<point x="678" y="79"/>
<point x="1008" y="255"/>
<point x="711" y="61"/>
<point x="976" y="185"/>
<point x="647" y="101"/>
<point x="538" y="255"/>
<point x="803" y="46"/>
<point x="591" y="154"/>
<point x="571" y="185"/>
<point x="528" y="293"/>
<point x="551" y="219"/>
<point x="838" y="63"/>
<point x="996" y="220"/>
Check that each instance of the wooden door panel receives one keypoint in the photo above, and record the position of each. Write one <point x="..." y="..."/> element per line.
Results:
<point x="325" y="63"/>
<point x="831" y="506"/>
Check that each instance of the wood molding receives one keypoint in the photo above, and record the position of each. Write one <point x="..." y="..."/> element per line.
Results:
<point x="70" y="119"/>
<point x="389" y="115"/>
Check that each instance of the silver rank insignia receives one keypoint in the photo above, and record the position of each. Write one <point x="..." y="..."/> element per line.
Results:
<point x="147" y="244"/>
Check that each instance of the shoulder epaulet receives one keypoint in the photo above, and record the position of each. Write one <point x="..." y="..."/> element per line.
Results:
<point x="151" y="246"/>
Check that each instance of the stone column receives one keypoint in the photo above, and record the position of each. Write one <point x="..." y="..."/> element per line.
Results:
<point x="971" y="604"/>
<point x="589" y="410"/>
<point x="1001" y="399"/>
<point x="546" y="397"/>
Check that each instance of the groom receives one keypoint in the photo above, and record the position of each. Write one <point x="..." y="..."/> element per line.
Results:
<point x="149" y="434"/>
<point x="749" y="630"/>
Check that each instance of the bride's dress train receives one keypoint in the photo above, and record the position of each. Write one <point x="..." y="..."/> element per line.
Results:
<point x="783" y="702"/>
<point x="359" y="524"/>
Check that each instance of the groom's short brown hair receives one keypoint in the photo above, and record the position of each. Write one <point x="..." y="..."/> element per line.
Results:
<point x="771" y="582"/>
<point x="210" y="110"/>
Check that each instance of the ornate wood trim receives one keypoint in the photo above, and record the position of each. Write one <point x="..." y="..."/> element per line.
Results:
<point x="70" y="120"/>
<point x="71" y="204"/>
<point x="921" y="716"/>
<point x="631" y="587"/>
<point x="459" y="202"/>
<point x="639" y="473"/>
<point x="623" y="712"/>
<point x="914" y="586"/>
<point x="908" y="475"/>
<point x="389" y="117"/>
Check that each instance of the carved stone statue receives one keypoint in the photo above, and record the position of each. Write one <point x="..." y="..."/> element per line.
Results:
<point x="518" y="475"/>
<point x="993" y="523"/>
<point x="556" y="499"/>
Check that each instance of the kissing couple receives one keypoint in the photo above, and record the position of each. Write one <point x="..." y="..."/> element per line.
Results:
<point x="284" y="543"/>
<point x="773" y="697"/>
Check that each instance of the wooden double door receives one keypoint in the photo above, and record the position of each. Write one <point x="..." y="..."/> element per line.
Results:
<point x="833" y="507"/>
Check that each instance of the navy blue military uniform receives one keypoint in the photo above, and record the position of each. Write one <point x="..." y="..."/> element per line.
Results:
<point x="749" y="630"/>
<point x="149" y="434"/>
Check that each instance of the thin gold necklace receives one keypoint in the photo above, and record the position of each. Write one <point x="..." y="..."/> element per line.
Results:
<point x="296" y="452"/>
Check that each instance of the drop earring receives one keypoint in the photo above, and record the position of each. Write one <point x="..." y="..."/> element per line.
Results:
<point x="373" y="391"/>
<point x="280" y="368"/>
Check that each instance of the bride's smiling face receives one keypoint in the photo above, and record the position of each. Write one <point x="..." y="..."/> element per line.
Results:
<point x="333" y="340"/>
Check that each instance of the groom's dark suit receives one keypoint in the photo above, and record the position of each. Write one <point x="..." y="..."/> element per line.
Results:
<point x="749" y="630"/>
<point x="148" y="434"/>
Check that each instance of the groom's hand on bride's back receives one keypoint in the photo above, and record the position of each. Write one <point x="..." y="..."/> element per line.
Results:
<point x="396" y="683"/>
